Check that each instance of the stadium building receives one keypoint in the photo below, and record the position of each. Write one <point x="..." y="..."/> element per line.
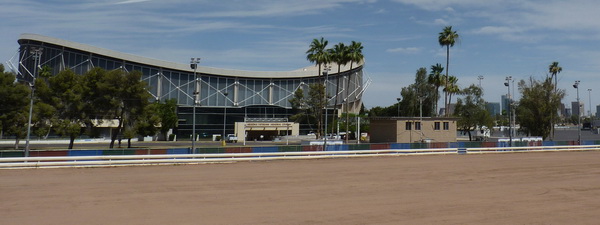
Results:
<point x="224" y="96"/>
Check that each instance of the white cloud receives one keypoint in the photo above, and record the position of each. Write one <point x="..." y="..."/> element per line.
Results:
<point x="409" y="50"/>
<point x="440" y="22"/>
<point x="496" y="30"/>
<point x="508" y="33"/>
<point x="449" y="9"/>
<point x="131" y="1"/>
<point x="438" y="5"/>
<point x="273" y="8"/>
<point x="516" y="15"/>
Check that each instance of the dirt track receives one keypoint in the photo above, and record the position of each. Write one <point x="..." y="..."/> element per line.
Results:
<point x="529" y="188"/>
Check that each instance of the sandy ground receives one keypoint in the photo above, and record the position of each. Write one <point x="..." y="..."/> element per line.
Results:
<point x="516" y="188"/>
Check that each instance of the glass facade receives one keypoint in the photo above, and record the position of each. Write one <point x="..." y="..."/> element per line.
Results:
<point x="242" y="96"/>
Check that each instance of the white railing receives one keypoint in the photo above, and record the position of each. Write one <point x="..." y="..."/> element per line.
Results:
<point x="561" y="148"/>
<point x="130" y="160"/>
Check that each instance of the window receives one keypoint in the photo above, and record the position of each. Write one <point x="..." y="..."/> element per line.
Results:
<point x="417" y="125"/>
<point x="408" y="126"/>
<point x="436" y="126"/>
<point x="446" y="126"/>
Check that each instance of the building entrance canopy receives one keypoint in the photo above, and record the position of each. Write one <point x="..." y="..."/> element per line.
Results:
<point x="261" y="129"/>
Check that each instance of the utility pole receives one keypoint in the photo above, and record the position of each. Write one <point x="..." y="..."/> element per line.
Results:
<point x="326" y="75"/>
<point x="576" y="86"/>
<point x="194" y="65"/>
<point x="36" y="53"/>
<point x="507" y="84"/>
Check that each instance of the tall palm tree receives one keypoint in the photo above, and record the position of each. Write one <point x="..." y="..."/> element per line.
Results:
<point x="339" y="55"/>
<point x="437" y="80"/>
<point x="447" y="38"/>
<point x="354" y="55"/>
<point x="554" y="70"/>
<point x="317" y="53"/>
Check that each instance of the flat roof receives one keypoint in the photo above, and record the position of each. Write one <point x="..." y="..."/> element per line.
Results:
<point x="309" y="71"/>
<point x="416" y="118"/>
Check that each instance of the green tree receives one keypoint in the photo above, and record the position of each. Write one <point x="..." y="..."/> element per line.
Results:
<point x="354" y="55"/>
<point x="451" y="88"/>
<point x="97" y="107"/>
<point x="554" y="69"/>
<point x="14" y="106"/>
<point x="142" y="122"/>
<point x="437" y="80"/>
<point x="42" y="119"/>
<point x="123" y="96"/>
<point x="471" y="111"/>
<point x="538" y="106"/>
<point x="339" y="55"/>
<point x="315" y="104"/>
<point x="168" y="116"/>
<point x="447" y="38"/>
<point x="317" y="53"/>
<point x="418" y="96"/>
<point x="298" y="102"/>
<point x="302" y="112"/>
<point x="379" y="111"/>
<point x="65" y="93"/>
<point x="43" y="111"/>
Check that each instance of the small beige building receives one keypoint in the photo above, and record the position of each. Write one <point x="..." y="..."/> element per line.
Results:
<point x="265" y="130"/>
<point x="412" y="129"/>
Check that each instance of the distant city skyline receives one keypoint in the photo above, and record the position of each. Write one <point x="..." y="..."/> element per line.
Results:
<point x="577" y="108"/>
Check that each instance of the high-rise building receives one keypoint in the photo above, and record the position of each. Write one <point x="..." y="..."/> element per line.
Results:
<point x="577" y="108"/>
<point x="598" y="111"/>
<point x="493" y="108"/>
<point x="568" y="112"/>
<point x="505" y="102"/>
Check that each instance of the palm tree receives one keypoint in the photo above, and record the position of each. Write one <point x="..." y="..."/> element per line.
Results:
<point x="339" y="55"/>
<point x="354" y="55"/>
<point x="317" y="53"/>
<point x="553" y="69"/>
<point x="436" y="79"/>
<point x="447" y="38"/>
<point x="451" y="88"/>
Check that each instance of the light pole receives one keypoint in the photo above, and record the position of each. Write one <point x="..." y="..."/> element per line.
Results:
<point x="509" y="111"/>
<point x="399" y="99"/>
<point x="590" y="105"/>
<point x="480" y="77"/>
<point x="224" y="119"/>
<point x="576" y="86"/>
<point x="326" y="75"/>
<point x="36" y="54"/>
<point x="421" y="116"/>
<point x="512" y="110"/>
<point x="194" y="65"/>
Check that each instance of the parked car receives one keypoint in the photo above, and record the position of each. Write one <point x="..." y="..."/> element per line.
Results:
<point x="231" y="138"/>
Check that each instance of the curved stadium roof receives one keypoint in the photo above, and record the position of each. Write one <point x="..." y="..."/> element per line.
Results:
<point x="310" y="71"/>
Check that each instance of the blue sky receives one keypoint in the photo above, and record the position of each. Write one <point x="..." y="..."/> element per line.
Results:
<point x="498" y="38"/>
